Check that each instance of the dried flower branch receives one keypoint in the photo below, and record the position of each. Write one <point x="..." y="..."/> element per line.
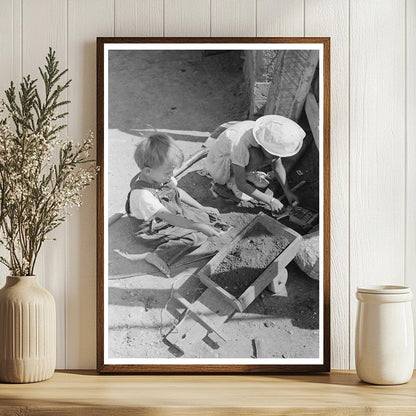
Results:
<point x="42" y="176"/>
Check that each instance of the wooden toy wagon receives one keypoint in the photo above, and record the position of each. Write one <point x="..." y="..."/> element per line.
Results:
<point x="219" y="302"/>
<point x="258" y="256"/>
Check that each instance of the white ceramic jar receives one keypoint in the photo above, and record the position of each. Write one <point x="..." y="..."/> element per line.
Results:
<point x="384" y="343"/>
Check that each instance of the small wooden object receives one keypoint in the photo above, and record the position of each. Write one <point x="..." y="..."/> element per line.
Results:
<point x="303" y="217"/>
<point x="268" y="275"/>
<point x="205" y="322"/>
<point x="257" y="344"/>
<point x="186" y="335"/>
<point x="278" y="285"/>
<point x="312" y="113"/>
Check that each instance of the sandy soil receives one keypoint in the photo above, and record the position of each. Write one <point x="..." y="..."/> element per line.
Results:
<point x="190" y="95"/>
<point x="248" y="259"/>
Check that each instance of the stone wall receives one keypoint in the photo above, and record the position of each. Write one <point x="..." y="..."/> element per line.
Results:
<point x="258" y="71"/>
<point x="279" y="81"/>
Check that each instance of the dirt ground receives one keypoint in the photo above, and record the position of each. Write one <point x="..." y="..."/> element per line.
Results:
<point x="189" y="95"/>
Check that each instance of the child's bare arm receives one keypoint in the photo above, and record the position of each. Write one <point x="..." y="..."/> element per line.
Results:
<point x="281" y="176"/>
<point x="182" y="222"/>
<point x="185" y="197"/>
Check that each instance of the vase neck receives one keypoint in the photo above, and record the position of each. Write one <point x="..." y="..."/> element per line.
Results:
<point x="21" y="280"/>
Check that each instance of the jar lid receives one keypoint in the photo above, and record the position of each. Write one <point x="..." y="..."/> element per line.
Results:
<point x="384" y="289"/>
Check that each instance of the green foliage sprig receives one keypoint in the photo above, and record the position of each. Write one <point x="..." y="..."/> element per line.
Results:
<point x="42" y="175"/>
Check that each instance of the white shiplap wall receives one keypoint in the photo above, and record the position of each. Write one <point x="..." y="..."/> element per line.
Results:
<point x="373" y="132"/>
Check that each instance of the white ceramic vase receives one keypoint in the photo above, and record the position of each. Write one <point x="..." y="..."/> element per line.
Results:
<point x="384" y="343"/>
<point x="27" y="331"/>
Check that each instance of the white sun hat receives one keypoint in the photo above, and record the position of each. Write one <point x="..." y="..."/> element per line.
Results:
<point x="278" y="135"/>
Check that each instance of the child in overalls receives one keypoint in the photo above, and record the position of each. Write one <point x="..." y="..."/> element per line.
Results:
<point x="247" y="146"/>
<point x="159" y="210"/>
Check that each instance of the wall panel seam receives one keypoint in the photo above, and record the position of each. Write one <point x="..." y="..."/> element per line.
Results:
<point x="405" y="145"/>
<point x="21" y="40"/>
<point x="304" y="18"/>
<point x="66" y="222"/>
<point x="210" y="18"/>
<point x="349" y="184"/>
<point x="20" y="23"/>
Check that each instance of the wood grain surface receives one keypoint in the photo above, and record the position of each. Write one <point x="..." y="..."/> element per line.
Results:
<point x="410" y="278"/>
<point x="35" y="45"/>
<point x="373" y="96"/>
<point x="85" y="393"/>
<point x="330" y="18"/>
<point x="81" y="248"/>
<point x="377" y="187"/>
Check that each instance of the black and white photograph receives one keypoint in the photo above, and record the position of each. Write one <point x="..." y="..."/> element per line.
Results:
<point x="213" y="208"/>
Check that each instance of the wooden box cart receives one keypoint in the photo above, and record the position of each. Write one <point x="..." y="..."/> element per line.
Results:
<point x="273" y="270"/>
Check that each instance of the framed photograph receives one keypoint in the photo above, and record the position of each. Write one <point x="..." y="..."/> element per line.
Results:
<point x="213" y="195"/>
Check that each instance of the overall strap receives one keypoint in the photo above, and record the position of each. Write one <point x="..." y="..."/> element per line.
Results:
<point x="139" y="184"/>
<point x="168" y="197"/>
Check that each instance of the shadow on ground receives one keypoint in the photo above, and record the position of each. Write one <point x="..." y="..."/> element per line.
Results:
<point x="301" y="305"/>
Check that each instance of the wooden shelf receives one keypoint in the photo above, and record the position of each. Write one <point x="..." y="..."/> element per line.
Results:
<point x="86" y="393"/>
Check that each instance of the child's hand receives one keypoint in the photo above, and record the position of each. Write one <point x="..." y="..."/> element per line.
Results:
<point x="207" y="229"/>
<point x="292" y="198"/>
<point x="276" y="205"/>
<point x="212" y="212"/>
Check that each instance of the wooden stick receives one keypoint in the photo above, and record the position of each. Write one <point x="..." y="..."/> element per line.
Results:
<point x="191" y="161"/>
<point x="257" y="347"/>
<point x="296" y="187"/>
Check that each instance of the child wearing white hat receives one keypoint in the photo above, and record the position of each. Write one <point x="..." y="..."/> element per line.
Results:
<point x="247" y="146"/>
